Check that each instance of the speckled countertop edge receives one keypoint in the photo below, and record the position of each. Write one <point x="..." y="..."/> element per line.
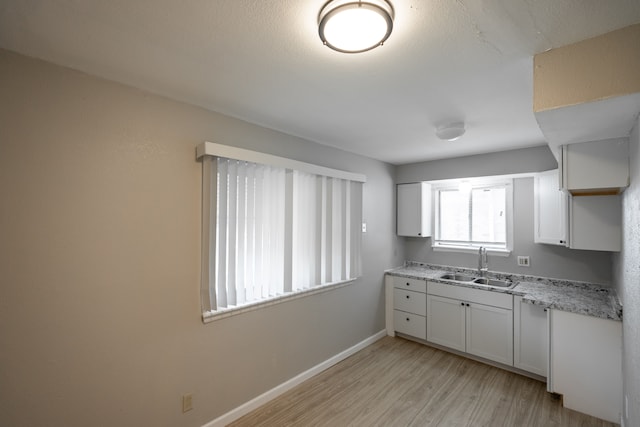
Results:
<point x="572" y="296"/>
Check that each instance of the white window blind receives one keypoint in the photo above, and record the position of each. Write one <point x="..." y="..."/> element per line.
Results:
<point x="271" y="231"/>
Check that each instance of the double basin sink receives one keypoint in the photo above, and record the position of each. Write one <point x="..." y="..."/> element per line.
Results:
<point x="459" y="277"/>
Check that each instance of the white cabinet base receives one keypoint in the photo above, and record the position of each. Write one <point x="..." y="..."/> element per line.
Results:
<point x="586" y="363"/>
<point x="474" y="321"/>
<point x="405" y="306"/>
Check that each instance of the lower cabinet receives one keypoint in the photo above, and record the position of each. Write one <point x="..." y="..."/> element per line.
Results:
<point x="585" y="363"/>
<point x="409" y="307"/>
<point x="530" y="337"/>
<point x="471" y="320"/>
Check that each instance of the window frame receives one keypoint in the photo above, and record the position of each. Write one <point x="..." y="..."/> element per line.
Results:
<point x="473" y="183"/>
<point x="209" y="182"/>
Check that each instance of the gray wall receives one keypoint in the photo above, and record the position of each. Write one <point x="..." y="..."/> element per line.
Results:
<point x="546" y="260"/>
<point x="100" y="260"/>
<point x="627" y="280"/>
<point x="534" y="159"/>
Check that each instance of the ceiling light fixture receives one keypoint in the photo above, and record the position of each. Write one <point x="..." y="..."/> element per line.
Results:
<point x="450" y="131"/>
<point x="355" y="26"/>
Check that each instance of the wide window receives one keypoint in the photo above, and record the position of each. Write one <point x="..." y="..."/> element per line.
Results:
<point x="469" y="215"/>
<point x="274" y="229"/>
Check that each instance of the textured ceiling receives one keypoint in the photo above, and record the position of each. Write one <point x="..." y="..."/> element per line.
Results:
<point x="262" y="61"/>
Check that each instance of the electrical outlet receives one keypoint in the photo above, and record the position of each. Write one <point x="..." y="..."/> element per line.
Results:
<point x="364" y="227"/>
<point x="524" y="261"/>
<point x="187" y="402"/>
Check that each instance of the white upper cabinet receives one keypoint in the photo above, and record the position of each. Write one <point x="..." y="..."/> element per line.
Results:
<point x="596" y="167"/>
<point x="550" y="209"/>
<point x="585" y="222"/>
<point x="414" y="209"/>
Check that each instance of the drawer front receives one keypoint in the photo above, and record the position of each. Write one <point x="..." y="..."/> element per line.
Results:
<point x="416" y="285"/>
<point x="410" y="324"/>
<point x="495" y="299"/>
<point x="409" y="301"/>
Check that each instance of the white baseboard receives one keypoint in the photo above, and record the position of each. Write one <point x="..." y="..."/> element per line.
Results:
<point x="265" y="397"/>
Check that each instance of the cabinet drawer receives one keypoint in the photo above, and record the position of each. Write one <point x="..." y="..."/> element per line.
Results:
<point x="410" y="324"/>
<point x="496" y="299"/>
<point x="409" y="301"/>
<point x="416" y="285"/>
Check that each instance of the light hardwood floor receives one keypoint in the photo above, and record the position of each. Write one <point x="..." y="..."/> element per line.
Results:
<point x="396" y="382"/>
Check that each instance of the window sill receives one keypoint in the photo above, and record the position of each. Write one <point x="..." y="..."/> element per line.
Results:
<point x="470" y="250"/>
<point x="211" y="316"/>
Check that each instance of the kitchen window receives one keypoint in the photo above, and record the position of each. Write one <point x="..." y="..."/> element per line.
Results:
<point x="471" y="213"/>
<point x="274" y="229"/>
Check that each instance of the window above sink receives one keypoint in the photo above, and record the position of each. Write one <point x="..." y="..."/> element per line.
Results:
<point x="470" y="213"/>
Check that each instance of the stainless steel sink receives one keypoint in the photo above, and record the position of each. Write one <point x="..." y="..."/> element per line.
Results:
<point x="458" y="277"/>
<point x="493" y="282"/>
<point x="485" y="281"/>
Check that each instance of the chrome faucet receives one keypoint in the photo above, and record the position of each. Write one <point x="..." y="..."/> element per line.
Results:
<point x="483" y="266"/>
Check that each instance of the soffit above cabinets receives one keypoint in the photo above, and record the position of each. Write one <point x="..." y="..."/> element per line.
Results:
<point x="590" y="90"/>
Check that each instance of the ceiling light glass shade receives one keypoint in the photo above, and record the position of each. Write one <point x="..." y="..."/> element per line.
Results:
<point x="355" y="26"/>
<point x="450" y="131"/>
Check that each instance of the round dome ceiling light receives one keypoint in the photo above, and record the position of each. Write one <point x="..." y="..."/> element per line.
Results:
<point x="450" y="131"/>
<point x="355" y="26"/>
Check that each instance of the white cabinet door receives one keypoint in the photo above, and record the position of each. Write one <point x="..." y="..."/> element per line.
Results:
<point x="490" y="333"/>
<point x="550" y="209"/>
<point x="446" y="322"/>
<point x="596" y="223"/>
<point x="414" y="209"/>
<point x="530" y="338"/>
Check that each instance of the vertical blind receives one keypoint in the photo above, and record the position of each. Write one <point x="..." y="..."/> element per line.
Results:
<point x="275" y="231"/>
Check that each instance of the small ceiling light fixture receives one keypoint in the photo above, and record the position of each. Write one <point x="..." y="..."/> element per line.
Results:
<point x="450" y="131"/>
<point x="355" y="26"/>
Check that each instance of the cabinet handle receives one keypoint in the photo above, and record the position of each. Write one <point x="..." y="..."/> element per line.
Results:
<point x="462" y="304"/>
<point x="407" y="319"/>
<point x="468" y="304"/>
<point x="407" y="296"/>
<point x="419" y="234"/>
<point x="408" y="284"/>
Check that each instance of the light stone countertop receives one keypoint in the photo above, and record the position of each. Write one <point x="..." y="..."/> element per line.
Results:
<point x="574" y="297"/>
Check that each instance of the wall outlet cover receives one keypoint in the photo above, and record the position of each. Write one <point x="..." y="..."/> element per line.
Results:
<point x="187" y="402"/>
<point x="524" y="261"/>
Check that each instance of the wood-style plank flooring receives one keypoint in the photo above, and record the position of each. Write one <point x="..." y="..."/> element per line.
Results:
<point x="396" y="382"/>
